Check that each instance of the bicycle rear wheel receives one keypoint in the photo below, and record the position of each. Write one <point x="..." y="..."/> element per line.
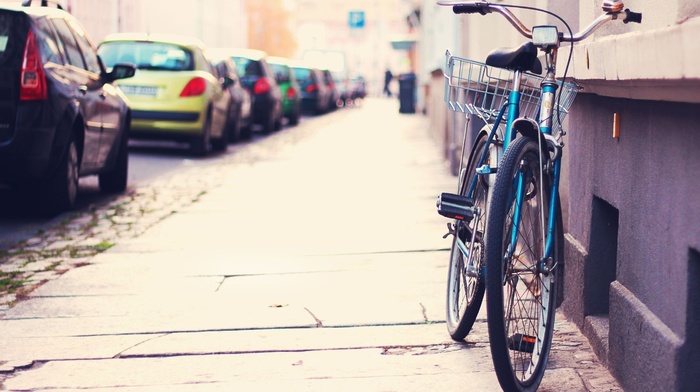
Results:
<point x="520" y="283"/>
<point x="465" y="281"/>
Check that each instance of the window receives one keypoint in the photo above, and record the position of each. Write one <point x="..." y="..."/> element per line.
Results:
<point x="46" y="40"/>
<point x="248" y="67"/>
<point x="93" y="64"/>
<point x="147" y="55"/>
<point x="9" y="26"/>
<point x="72" y="50"/>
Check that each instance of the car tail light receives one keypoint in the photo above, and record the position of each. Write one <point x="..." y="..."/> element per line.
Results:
<point x="262" y="86"/>
<point x="194" y="87"/>
<point x="291" y="92"/>
<point x="311" y="88"/>
<point x="32" y="77"/>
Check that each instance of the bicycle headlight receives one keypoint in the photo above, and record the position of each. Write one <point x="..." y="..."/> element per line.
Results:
<point x="545" y="36"/>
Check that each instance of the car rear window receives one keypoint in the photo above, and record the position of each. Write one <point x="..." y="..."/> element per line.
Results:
<point x="304" y="75"/>
<point x="280" y="69"/>
<point x="147" y="55"/>
<point x="248" y="67"/>
<point x="9" y="22"/>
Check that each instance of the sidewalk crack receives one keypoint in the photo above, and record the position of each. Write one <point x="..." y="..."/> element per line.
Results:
<point x="119" y="354"/>
<point x="319" y="323"/>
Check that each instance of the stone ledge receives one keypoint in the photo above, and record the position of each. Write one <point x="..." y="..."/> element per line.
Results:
<point x="653" y="65"/>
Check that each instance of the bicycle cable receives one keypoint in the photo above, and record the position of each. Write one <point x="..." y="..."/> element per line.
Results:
<point x="558" y="100"/>
<point x="568" y="60"/>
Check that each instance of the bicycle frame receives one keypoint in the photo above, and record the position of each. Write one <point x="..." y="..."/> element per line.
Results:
<point x="549" y="88"/>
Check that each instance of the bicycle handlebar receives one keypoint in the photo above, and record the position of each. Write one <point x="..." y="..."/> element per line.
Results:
<point x="613" y="10"/>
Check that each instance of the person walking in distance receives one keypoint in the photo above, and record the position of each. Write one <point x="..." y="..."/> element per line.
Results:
<point x="388" y="76"/>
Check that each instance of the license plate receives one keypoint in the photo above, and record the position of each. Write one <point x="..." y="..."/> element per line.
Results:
<point x="150" y="91"/>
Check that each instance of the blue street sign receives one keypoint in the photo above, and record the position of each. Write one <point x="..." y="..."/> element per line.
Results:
<point x="356" y="19"/>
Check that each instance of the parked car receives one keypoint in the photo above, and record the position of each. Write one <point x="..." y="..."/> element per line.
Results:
<point x="289" y="87"/>
<point x="314" y="93"/>
<point x="259" y="78"/>
<point x="342" y="84"/>
<point x="175" y="94"/>
<point x="61" y="116"/>
<point x="240" y="116"/>
<point x="334" y="95"/>
<point x="358" y="88"/>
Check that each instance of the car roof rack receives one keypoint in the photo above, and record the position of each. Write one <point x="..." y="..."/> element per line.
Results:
<point x="44" y="3"/>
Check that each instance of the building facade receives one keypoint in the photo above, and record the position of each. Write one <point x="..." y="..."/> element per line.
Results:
<point x="632" y="275"/>
<point x="365" y="44"/>
<point x="215" y="22"/>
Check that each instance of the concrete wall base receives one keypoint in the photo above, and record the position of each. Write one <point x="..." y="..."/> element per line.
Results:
<point x="643" y="351"/>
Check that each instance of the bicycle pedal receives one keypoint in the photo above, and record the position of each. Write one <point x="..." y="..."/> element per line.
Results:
<point x="455" y="206"/>
<point x="522" y="343"/>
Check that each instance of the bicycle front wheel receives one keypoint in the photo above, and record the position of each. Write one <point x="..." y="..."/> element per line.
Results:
<point x="465" y="281"/>
<point x="520" y="282"/>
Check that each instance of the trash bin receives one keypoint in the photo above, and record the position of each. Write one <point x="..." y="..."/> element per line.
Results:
<point x="407" y="93"/>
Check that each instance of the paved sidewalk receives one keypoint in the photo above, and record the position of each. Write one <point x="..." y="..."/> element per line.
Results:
<point x="319" y="267"/>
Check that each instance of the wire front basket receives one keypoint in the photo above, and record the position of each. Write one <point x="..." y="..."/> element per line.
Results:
<point x="476" y="88"/>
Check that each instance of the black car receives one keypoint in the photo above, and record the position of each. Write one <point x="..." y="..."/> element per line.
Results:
<point x="61" y="116"/>
<point x="240" y="116"/>
<point x="315" y="96"/>
<point x="259" y="78"/>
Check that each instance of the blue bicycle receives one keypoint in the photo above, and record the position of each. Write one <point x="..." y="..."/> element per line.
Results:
<point x="507" y="223"/>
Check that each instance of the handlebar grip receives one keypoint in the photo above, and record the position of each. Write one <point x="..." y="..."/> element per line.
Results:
<point x="635" y="17"/>
<point x="470" y="9"/>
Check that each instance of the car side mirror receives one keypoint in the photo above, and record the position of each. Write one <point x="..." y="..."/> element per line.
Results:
<point x="121" y="71"/>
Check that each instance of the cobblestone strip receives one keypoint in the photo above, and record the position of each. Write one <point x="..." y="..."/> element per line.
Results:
<point x="73" y="242"/>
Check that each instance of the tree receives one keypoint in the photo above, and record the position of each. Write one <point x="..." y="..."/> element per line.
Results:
<point x="269" y="28"/>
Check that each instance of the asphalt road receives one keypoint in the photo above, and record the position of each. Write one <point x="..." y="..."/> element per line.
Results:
<point x="148" y="160"/>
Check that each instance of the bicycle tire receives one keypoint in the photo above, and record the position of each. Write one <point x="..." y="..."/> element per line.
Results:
<point x="465" y="293"/>
<point x="520" y="297"/>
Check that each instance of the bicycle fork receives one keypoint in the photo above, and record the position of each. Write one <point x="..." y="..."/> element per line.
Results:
<point x="547" y="166"/>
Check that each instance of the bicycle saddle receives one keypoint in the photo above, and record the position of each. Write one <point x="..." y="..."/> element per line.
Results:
<point x="524" y="58"/>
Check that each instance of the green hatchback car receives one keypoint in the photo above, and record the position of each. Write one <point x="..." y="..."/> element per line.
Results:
<point x="291" y="99"/>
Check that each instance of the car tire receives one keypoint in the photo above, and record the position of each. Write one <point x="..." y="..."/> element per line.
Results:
<point x="278" y="123"/>
<point x="61" y="188"/>
<point x="294" y="117"/>
<point x="201" y="145"/>
<point x="269" y="123"/>
<point x="247" y="131"/>
<point x="221" y="143"/>
<point x="115" y="180"/>
<point x="235" y="129"/>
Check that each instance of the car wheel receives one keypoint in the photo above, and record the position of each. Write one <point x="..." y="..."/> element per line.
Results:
<point x="201" y="145"/>
<point x="294" y="117"/>
<point x="247" y="131"/>
<point x="61" y="188"/>
<point x="234" y="133"/>
<point x="278" y="122"/>
<point x="221" y="143"/>
<point x="269" y="123"/>
<point x="115" y="179"/>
